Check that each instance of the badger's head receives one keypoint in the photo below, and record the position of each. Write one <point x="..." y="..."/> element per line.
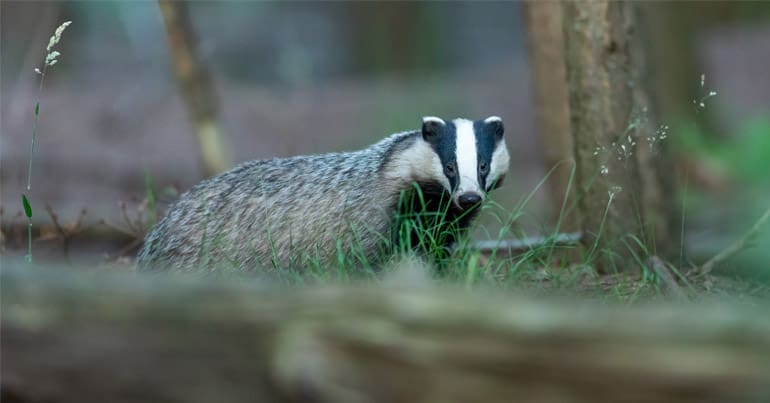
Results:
<point x="470" y="157"/>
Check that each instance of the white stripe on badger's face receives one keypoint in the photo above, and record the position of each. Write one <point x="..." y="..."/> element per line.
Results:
<point x="499" y="166"/>
<point x="467" y="159"/>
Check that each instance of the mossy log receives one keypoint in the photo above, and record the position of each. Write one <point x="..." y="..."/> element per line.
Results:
<point x="96" y="337"/>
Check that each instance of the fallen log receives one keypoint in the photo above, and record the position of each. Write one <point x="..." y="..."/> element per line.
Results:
<point x="118" y="337"/>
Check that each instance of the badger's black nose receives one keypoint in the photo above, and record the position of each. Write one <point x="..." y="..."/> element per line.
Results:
<point x="468" y="200"/>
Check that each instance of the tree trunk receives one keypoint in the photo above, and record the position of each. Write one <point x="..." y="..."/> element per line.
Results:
<point x="546" y="49"/>
<point x="195" y="83"/>
<point x="674" y="28"/>
<point x="604" y="121"/>
<point x="90" y="337"/>
<point x="656" y="165"/>
<point x="392" y="37"/>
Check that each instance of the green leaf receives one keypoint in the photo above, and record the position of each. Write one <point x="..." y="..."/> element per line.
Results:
<point x="37" y="108"/>
<point x="27" y="207"/>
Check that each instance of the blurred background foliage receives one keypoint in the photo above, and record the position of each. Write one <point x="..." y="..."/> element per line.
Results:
<point x="277" y="43"/>
<point x="305" y="77"/>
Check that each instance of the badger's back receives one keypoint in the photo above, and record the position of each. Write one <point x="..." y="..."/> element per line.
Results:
<point x="281" y="212"/>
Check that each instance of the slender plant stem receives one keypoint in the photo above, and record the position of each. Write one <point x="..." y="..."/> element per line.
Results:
<point x="684" y="216"/>
<point x="34" y="127"/>
<point x="601" y="228"/>
<point x="28" y="258"/>
<point x="29" y="241"/>
<point x="50" y="60"/>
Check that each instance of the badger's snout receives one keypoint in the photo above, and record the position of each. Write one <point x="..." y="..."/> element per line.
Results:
<point x="468" y="200"/>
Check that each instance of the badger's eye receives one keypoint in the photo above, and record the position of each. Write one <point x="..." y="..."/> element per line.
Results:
<point x="483" y="168"/>
<point x="450" y="170"/>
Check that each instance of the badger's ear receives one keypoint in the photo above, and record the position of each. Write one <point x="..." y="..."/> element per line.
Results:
<point x="495" y="125"/>
<point x="432" y="127"/>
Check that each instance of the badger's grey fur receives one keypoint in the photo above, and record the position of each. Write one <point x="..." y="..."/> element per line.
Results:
<point x="279" y="211"/>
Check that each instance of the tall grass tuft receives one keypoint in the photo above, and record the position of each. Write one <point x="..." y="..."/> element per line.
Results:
<point x="51" y="58"/>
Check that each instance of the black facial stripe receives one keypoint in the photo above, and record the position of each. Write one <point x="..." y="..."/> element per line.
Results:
<point x="445" y="145"/>
<point x="486" y="142"/>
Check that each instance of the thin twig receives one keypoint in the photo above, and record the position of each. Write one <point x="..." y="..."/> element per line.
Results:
<point x="125" y="249"/>
<point x="737" y="246"/>
<point x="522" y="245"/>
<point x="55" y="219"/>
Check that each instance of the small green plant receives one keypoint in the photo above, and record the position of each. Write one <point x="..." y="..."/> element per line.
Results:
<point x="51" y="58"/>
<point x="429" y="228"/>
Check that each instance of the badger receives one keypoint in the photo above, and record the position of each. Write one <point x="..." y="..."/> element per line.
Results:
<point x="366" y="204"/>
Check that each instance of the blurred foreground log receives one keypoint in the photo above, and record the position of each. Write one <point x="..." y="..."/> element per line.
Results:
<point x="77" y="337"/>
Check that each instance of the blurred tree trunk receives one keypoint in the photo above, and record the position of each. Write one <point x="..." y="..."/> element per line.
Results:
<point x="195" y="83"/>
<point x="673" y="59"/>
<point x="546" y="49"/>
<point x="656" y="165"/>
<point x="400" y="36"/>
<point x="674" y="28"/>
<point x="616" y="199"/>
